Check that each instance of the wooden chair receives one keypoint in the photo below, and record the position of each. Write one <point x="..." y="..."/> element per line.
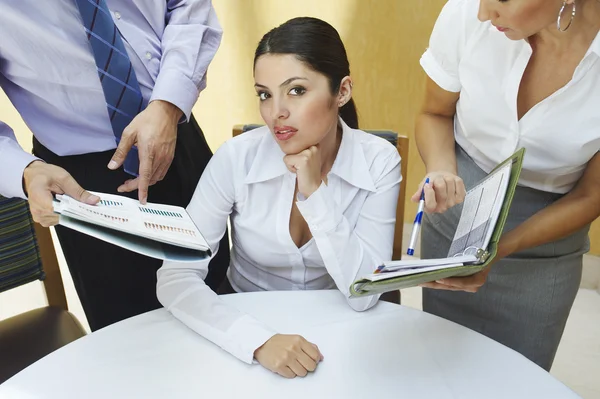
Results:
<point x="401" y="144"/>
<point x="27" y="254"/>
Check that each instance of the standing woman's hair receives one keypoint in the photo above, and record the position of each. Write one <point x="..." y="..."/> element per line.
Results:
<point x="318" y="45"/>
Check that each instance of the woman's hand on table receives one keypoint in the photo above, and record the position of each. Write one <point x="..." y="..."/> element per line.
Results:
<point x="443" y="191"/>
<point x="288" y="355"/>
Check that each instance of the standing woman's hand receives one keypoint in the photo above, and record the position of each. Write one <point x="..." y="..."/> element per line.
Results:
<point x="443" y="191"/>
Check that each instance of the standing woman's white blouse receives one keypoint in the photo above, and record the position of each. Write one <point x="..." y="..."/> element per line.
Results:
<point x="561" y="133"/>
<point x="351" y="219"/>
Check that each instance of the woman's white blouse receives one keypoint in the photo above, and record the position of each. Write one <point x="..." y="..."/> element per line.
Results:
<point x="351" y="219"/>
<point x="560" y="134"/>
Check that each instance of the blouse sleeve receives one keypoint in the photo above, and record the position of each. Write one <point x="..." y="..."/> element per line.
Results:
<point x="448" y="42"/>
<point x="181" y="288"/>
<point x="353" y="250"/>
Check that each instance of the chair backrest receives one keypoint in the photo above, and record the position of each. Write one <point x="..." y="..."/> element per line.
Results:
<point x="27" y="252"/>
<point x="401" y="144"/>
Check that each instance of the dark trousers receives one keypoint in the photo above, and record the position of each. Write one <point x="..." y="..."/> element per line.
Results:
<point x="113" y="283"/>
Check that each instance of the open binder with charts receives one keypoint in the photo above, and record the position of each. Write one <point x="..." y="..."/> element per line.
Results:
<point x="475" y="241"/>
<point x="159" y="231"/>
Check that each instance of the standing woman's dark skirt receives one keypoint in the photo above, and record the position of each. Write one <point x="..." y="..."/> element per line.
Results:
<point x="528" y="296"/>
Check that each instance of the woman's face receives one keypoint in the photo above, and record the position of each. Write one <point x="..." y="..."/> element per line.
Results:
<point x="295" y="102"/>
<point x="520" y="19"/>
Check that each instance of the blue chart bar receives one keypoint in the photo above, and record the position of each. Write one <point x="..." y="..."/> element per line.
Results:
<point x="110" y="203"/>
<point x="161" y="212"/>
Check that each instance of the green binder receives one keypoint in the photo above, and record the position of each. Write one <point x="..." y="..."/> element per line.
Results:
<point x="363" y="286"/>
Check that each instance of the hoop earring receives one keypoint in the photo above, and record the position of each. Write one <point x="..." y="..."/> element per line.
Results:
<point x="560" y="13"/>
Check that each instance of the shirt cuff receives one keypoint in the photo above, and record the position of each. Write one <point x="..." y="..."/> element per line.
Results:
<point x="246" y="336"/>
<point x="174" y="87"/>
<point x="319" y="210"/>
<point x="435" y="71"/>
<point x="12" y="184"/>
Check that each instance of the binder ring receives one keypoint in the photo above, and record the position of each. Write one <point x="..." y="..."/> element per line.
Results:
<point x="472" y="250"/>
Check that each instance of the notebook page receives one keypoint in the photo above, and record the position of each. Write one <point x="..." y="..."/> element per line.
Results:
<point x="480" y="213"/>
<point x="407" y="272"/>
<point x="407" y="264"/>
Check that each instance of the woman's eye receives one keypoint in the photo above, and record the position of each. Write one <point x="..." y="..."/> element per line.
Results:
<point x="297" y="91"/>
<point x="263" y="95"/>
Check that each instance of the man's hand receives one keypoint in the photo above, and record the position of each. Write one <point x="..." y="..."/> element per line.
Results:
<point x="307" y="167"/>
<point x="288" y="355"/>
<point x="41" y="181"/>
<point x="444" y="190"/>
<point x="154" y="131"/>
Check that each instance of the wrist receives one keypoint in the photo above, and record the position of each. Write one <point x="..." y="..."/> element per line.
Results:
<point x="309" y="189"/>
<point x="443" y="168"/>
<point x="507" y="246"/>
<point x="441" y="164"/>
<point x="258" y="350"/>
<point x="29" y="172"/>
<point x="172" y="112"/>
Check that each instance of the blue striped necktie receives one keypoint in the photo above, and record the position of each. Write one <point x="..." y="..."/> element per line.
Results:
<point x="121" y="89"/>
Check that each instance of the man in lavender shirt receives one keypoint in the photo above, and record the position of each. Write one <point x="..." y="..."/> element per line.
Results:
<point x="48" y="70"/>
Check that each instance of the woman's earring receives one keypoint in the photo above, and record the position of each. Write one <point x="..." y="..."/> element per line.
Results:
<point x="560" y="13"/>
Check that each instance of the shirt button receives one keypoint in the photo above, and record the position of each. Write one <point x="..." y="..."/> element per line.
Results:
<point x="117" y="15"/>
<point x="148" y="56"/>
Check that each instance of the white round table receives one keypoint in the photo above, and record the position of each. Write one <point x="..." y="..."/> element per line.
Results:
<point x="389" y="351"/>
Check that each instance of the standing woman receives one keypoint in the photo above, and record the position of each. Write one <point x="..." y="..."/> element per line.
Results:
<point x="504" y="75"/>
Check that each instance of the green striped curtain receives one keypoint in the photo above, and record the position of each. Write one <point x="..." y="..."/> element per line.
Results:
<point x="20" y="260"/>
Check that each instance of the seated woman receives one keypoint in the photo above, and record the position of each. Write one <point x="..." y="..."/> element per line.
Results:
<point x="312" y="200"/>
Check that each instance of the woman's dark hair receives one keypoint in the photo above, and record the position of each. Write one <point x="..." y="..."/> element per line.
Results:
<point x="319" y="46"/>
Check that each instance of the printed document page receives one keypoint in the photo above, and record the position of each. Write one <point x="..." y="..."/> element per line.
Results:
<point x="480" y="212"/>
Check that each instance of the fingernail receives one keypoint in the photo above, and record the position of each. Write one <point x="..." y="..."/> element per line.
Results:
<point x="112" y="165"/>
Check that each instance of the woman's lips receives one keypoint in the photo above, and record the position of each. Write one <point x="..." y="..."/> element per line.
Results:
<point x="284" y="133"/>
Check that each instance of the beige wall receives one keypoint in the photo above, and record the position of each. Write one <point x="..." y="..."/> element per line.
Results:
<point x="384" y="40"/>
<point x="10" y="116"/>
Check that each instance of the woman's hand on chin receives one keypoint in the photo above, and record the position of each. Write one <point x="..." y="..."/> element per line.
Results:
<point x="289" y="355"/>
<point x="307" y="167"/>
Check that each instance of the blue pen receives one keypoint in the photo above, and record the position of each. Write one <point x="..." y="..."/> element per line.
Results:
<point x="417" y="222"/>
